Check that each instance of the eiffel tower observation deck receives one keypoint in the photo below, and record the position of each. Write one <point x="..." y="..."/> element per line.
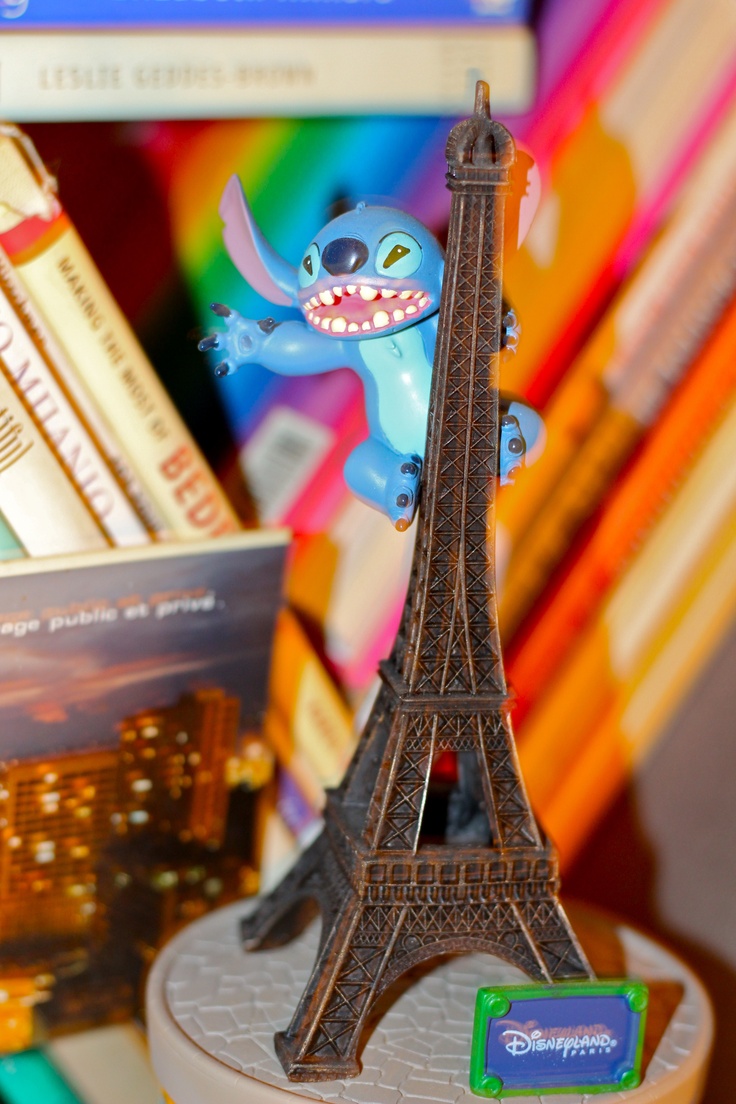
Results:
<point x="389" y="900"/>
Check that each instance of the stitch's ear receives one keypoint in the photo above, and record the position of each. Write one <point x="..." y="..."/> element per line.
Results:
<point x="256" y="261"/>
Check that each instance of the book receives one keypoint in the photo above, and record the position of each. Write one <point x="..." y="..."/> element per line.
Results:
<point x="617" y="385"/>
<point x="312" y="713"/>
<point x="92" y="1062"/>
<point x="612" y="181"/>
<point x="351" y="581"/>
<point x="132" y="762"/>
<point x="696" y="624"/>
<point x="37" y="500"/>
<point x="623" y="519"/>
<point x="611" y="648"/>
<point x="69" y="294"/>
<point x="39" y="380"/>
<point x="191" y="14"/>
<point x="31" y="1076"/>
<point x="286" y="70"/>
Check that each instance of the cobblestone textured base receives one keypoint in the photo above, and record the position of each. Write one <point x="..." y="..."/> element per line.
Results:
<point x="213" y="1010"/>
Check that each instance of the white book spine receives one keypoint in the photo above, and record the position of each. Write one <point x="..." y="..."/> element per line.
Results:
<point x="40" y="382"/>
<point x="44" y="510"/>
<point x="205" y="74"/>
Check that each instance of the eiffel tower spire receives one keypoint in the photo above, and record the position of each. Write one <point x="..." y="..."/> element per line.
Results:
<point x="389" y="902"/>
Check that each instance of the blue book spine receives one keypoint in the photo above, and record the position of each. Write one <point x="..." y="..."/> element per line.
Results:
<point x="141" y="14"/>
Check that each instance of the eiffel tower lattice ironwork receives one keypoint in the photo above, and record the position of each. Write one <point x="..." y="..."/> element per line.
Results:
<point x="389" y="904"/>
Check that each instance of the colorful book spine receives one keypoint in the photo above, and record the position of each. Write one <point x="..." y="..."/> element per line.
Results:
<point x="41" y="387"/>
<point x="314" y="716"/>
<point x="627" y="157"/>
<point x="37" y="499"/>
<point x="135" y="14"/>
<point x="624" y="519"/>
<point x="51" y="75"/>
<point x="640" y="709"/>
<point x="93" y="1061"/>
<point x="71" y="297"/>
<point x="351" y="580"/>
<point x="617" y="386"/>
<point x="31" y="1076"/>
<point x="612" y="647"/>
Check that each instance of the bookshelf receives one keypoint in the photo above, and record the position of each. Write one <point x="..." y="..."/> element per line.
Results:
<point x="602" y="285"/>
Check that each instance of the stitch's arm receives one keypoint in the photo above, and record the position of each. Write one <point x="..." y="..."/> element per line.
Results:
<point x="290" y="348"/>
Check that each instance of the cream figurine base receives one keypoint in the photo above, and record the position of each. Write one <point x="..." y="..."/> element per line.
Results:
<point x="213" y="1010"/>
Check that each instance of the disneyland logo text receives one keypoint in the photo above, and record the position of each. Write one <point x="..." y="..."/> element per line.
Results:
<point x="519" y="1040"/>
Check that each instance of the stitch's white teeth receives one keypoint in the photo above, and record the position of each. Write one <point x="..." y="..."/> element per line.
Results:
<point x="380" y="319"/>
<point x="353" y="327"/>
<point x="351" y="289"/>
<point x="339" y="324"/>
<point x="368" y="293"/>
<point x="326" y="323"/>
<point x="405" y="294"/>
<point x="314" y="301"/>
<point x="366" y="325"/>
<point x="398" y="316"/>
<point x="412" y="309"/>
<point x="423" y="302"/>
<point x="337" y="292"/>
<point x="387" y="293"/>
<point x="327" y="298"/>
<point x="418" y="294"/>
<point x="310" y="316"/>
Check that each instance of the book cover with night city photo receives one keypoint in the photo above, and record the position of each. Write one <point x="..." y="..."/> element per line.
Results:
<point x="133" y="775"/>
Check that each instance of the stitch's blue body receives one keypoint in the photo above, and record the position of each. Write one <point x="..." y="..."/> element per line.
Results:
<point x="369" y="288"/>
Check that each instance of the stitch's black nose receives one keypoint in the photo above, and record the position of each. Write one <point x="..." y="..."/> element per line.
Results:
<point x="344" y="256"/>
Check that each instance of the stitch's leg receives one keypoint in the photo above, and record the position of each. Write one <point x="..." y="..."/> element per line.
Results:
<point x="386" y="480"/>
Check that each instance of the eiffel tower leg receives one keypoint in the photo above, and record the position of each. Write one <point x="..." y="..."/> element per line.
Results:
<point x="322" y="1040"/>
<point x="285" y="912"/>
<point x="552" y="934"/>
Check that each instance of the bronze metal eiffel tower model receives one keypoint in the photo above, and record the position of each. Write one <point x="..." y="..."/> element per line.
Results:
<point x="388" y="903"/>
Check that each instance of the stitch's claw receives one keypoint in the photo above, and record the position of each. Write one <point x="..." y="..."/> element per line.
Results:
<point x="404" y="494"/>
<point x="511" y="450"/>
<point x="240" y="341"/>
<point x="510" y="330"/>
<point x="208" y="343"/>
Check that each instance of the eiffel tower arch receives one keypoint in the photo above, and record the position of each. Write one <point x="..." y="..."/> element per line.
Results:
<point x="390" y="902"/>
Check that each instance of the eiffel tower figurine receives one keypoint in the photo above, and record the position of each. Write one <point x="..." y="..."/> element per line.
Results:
<point x="387" y="902"/>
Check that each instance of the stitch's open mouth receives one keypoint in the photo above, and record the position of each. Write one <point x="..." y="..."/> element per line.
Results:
<point x="362" y="308"/>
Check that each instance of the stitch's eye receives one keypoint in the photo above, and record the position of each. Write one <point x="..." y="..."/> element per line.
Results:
<point x="309" y="267"/>
<point x="399" y="254"/>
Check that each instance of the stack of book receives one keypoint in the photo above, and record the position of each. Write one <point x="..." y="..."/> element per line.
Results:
<point x="612" y="549"/>
<point x="136" y="626"/>
<point x="617" y="546"/>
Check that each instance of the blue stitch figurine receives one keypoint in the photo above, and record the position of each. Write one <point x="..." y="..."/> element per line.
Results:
<point x="368" y="287"/>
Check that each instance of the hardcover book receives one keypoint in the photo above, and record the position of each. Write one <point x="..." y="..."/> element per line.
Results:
<point x="133" y="774"/>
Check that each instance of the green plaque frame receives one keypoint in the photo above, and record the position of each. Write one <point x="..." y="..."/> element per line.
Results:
<point x="497" y="1003"/>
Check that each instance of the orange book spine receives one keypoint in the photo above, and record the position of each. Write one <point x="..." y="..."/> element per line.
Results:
<point x="639" y="712"/>
<point x="617" y="386"/>
<point x="631" y="509"/>
<point x="611" y="647"/>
